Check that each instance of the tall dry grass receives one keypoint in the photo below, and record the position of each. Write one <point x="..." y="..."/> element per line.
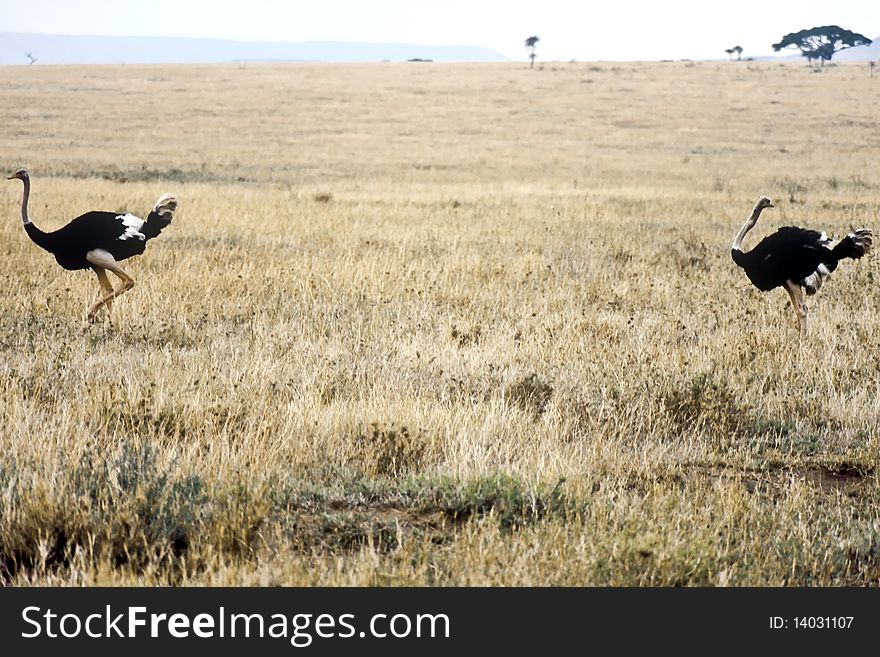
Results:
<point x="439" y="324"/>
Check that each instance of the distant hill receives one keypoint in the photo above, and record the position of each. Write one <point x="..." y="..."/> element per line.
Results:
<point x="860" y="53"/>
<point x="856" y="54"/>
<point x="69" y="49"/>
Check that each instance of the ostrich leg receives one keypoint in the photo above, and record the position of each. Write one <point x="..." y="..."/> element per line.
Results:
<point x="106" y="289"/>
<point x="797" y="302"/>
<point x="101" y="259"/>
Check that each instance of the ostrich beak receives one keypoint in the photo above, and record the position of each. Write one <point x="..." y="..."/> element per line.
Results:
<point x="10" y="177"/>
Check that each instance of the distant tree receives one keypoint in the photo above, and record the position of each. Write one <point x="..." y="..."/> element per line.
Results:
<point x="729" y="52"/>
<point x="822" y="42"/>
<point x="531" y="42"/>
<point x="738" y="50"/>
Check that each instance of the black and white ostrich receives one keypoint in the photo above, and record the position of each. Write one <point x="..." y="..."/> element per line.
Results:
<point x="795" y="258"/>
<point x="99" y="240"/>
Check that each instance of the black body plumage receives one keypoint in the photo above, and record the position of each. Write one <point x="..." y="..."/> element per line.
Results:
<point x="98" y="230"/>
<point x="789" y="254"/>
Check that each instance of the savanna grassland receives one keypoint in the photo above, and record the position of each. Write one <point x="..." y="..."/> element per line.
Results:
<point x="425" y="324"/>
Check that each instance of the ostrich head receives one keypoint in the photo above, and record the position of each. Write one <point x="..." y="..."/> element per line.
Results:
<point x="763" y="202"/>
<point x="21" y="174"/>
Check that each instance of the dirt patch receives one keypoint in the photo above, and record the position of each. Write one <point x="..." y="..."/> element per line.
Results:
<point x="846" y="477"/>
<point x="340" y="525"/>
<point x="381" y="528"/>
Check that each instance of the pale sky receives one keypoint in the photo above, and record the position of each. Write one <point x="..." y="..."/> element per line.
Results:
<point x="568" y="29"/>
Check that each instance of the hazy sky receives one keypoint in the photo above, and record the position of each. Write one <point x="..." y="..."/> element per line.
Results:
<point x="585" y="30"/>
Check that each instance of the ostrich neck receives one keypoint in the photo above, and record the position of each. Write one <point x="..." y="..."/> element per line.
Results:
<point x="40" y="238"/>
<point x="24" y="201"/>
<point x="750" y="223"/>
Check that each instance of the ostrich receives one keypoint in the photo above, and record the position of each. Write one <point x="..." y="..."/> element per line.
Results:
<point x="99" y="240"/>
<point x="795" y="258"/>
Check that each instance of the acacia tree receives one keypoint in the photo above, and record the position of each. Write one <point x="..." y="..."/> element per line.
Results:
<point x="739" y="51"/>
<point x="822" y="42"/>
<point x="531" y="42"/>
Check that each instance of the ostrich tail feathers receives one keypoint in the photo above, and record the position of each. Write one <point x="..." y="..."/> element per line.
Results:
<point x="862" y="240"/>
<point x="854" y="245"/>
<point x="166" y="205"/>
<point x="160" y="216"/>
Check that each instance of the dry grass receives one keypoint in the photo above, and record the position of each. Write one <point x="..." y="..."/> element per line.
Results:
<point x="440" y="324"/>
